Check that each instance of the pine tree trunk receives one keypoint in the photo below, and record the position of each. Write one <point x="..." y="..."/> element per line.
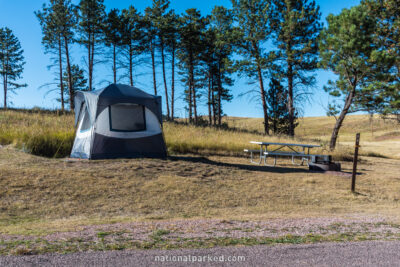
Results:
<point x="153" y="65"/>
<point x="264" y="103"/>
<point x="194" y="98"/>
<point x="71" y="89"/>
<point x="90" y="73"/>
<point x="275" y="115"/>
<point x="173" y="82"/>
<point x="190" y="96"/>
<point x="196" y="119"/>
<point x="219" y="95"/>
<point x="130" y="64"/>
<point x="92" y="58"/>
<point x="61" y="73"/>
<point x="190" y="76"/>
<point x="339" y="121"/>
<point x="290" y="100"/>
<point x="262" y="91"/>
<point x="114" y="64"/>
<point x="165" y="79"/>
<point x="209" y="97"/>
<point x="5" y="89"/>
<point x="214" y="106"/>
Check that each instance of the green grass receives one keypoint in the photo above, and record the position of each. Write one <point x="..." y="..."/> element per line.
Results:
<point x="41" y="246"/>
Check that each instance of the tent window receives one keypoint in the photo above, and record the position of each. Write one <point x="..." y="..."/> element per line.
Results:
<point x="127" y="118"/>
<point x="85" y="121"/>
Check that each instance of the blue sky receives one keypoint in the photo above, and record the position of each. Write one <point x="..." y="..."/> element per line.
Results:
<point x="18" y="15"/>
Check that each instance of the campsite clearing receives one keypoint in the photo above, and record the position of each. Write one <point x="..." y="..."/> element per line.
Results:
<point x="40" y="195"/>
<point x="206" y="179"/>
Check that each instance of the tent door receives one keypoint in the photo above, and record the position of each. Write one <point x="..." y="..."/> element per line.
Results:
<point x="82" y="142"/>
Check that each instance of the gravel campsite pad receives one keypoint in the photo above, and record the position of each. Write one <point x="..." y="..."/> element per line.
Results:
<point x="202" y="233"/>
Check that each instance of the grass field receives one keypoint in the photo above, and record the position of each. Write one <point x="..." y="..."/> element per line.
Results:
<point x="40" y="195"/>
<point x="203" y="178"/>
<point x="377" y="135"/>
<point x="51" y="135"/>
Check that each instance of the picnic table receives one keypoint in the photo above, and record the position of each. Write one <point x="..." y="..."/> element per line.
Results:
<point x="295" y="150"/>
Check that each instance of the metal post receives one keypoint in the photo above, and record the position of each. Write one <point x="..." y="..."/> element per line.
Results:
<point x="353" y="177"/>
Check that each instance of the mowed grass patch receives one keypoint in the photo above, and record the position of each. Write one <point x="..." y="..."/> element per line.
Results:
<point x="40" y="195"/>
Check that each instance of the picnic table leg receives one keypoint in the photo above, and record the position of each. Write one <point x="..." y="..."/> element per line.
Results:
<point x="302" y="158"/>
<point x="266" y="164"/>
<point x="266" y="156"/>
<point x="294" y="163"/>
<point x="308" y="157"/>
<point x="252" y="158"/>
<point x="261" y="154"/>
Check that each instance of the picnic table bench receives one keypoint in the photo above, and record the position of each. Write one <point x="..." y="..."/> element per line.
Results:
<point x="264" y="153"/>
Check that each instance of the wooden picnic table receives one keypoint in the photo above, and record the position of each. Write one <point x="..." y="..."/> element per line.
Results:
<point x="294" y="152"/>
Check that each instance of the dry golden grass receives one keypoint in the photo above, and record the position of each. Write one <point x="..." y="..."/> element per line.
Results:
<point x="52" y="135"/>
<point x="378" y="136"/>
<point x="182" y="138"/>
<point x="372" y="128"/>
<point x="38" y="132"/>
<point x="40" y="195"/>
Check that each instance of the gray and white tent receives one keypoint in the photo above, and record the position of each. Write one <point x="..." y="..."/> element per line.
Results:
<point x="118" y="121"/>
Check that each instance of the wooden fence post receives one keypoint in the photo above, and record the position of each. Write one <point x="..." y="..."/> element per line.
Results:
<point x="355" y="159"/>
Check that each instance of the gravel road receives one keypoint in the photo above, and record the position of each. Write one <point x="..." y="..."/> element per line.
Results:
<point x="368" y="253"/>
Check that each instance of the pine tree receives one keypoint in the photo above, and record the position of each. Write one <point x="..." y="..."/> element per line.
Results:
<point x="150" y="38"/>
<point x="90" y="28"/>
<point x="210" y="69"/>
<point x="253" y="18"/>
<point x="161" y="20"/>
<point x="277" y="107"/>
<point x="217" y="70"/>
<point x="347" y="48"/>
<point x="296" y="26"/>
<point x="58" y="21"/>
<point x="11" y="62"/>
<point x="171" y="32"/>
<point x="132" y="35"/>
<point x="113" y="30"/>
<point x="221" y="20"/>
<point x="190" y="48"/>
<point x="78" y="81"/>
<point x="383" y="95"/>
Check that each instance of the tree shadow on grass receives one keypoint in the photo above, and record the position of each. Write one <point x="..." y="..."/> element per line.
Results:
<point x="247" y="167"/>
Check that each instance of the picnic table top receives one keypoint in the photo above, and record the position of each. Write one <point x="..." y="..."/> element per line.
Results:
<point x="282" y="144"/>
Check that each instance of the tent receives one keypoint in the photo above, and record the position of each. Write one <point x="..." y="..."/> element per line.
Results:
<point x="118" y="121"/>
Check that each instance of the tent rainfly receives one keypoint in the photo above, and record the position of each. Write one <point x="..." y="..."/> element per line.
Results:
<point x="118" y="121"/>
